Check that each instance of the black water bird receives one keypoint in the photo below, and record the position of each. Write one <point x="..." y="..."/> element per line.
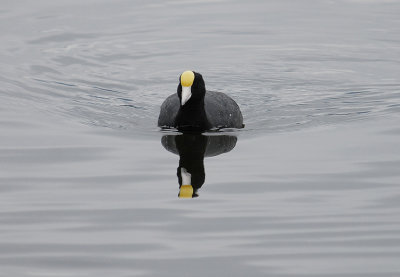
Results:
<point x="193" y="109"/>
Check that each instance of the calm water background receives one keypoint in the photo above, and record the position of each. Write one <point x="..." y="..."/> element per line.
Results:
<point x="312" y="187"/>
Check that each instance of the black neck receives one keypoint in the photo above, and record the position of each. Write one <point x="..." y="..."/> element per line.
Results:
<point x="192" y="117"/>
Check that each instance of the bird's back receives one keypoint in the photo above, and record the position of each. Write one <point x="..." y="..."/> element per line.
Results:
<point x="221" y="111"/>
<point x="168" y="111"/>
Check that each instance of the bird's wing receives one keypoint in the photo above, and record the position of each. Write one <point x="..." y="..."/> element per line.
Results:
<point x="168" y="111"/>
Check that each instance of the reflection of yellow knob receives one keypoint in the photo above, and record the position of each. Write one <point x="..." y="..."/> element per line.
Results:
<point x="186" y="191"/>
<point x="187" y="78"/>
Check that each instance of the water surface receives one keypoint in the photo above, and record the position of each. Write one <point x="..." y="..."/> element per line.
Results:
<point x="89" y="185"/>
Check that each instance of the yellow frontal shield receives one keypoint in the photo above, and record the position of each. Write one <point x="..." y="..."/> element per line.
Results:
<point x="187" y="78"/>
<point x="186" y="191"/>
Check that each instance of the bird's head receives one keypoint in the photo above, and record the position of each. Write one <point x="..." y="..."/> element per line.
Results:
<point x="191" y="87"/>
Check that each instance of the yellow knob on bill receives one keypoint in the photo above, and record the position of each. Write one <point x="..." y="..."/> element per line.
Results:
<point x="187" y="78"/>
<point x="186" y="191"/>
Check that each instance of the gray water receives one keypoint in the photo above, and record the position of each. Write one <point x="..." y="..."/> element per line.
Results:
<point x="88" y="183"/>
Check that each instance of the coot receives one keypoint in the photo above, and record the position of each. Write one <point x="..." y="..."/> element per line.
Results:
<point x="193" y="109"/>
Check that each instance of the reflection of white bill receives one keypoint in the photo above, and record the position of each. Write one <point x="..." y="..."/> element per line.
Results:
<point x="186" y="190"/>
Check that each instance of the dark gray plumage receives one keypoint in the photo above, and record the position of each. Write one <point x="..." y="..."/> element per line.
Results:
<point x="205" y="110"/>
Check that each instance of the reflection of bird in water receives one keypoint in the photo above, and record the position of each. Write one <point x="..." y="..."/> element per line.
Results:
<point x="192" y="148"/>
